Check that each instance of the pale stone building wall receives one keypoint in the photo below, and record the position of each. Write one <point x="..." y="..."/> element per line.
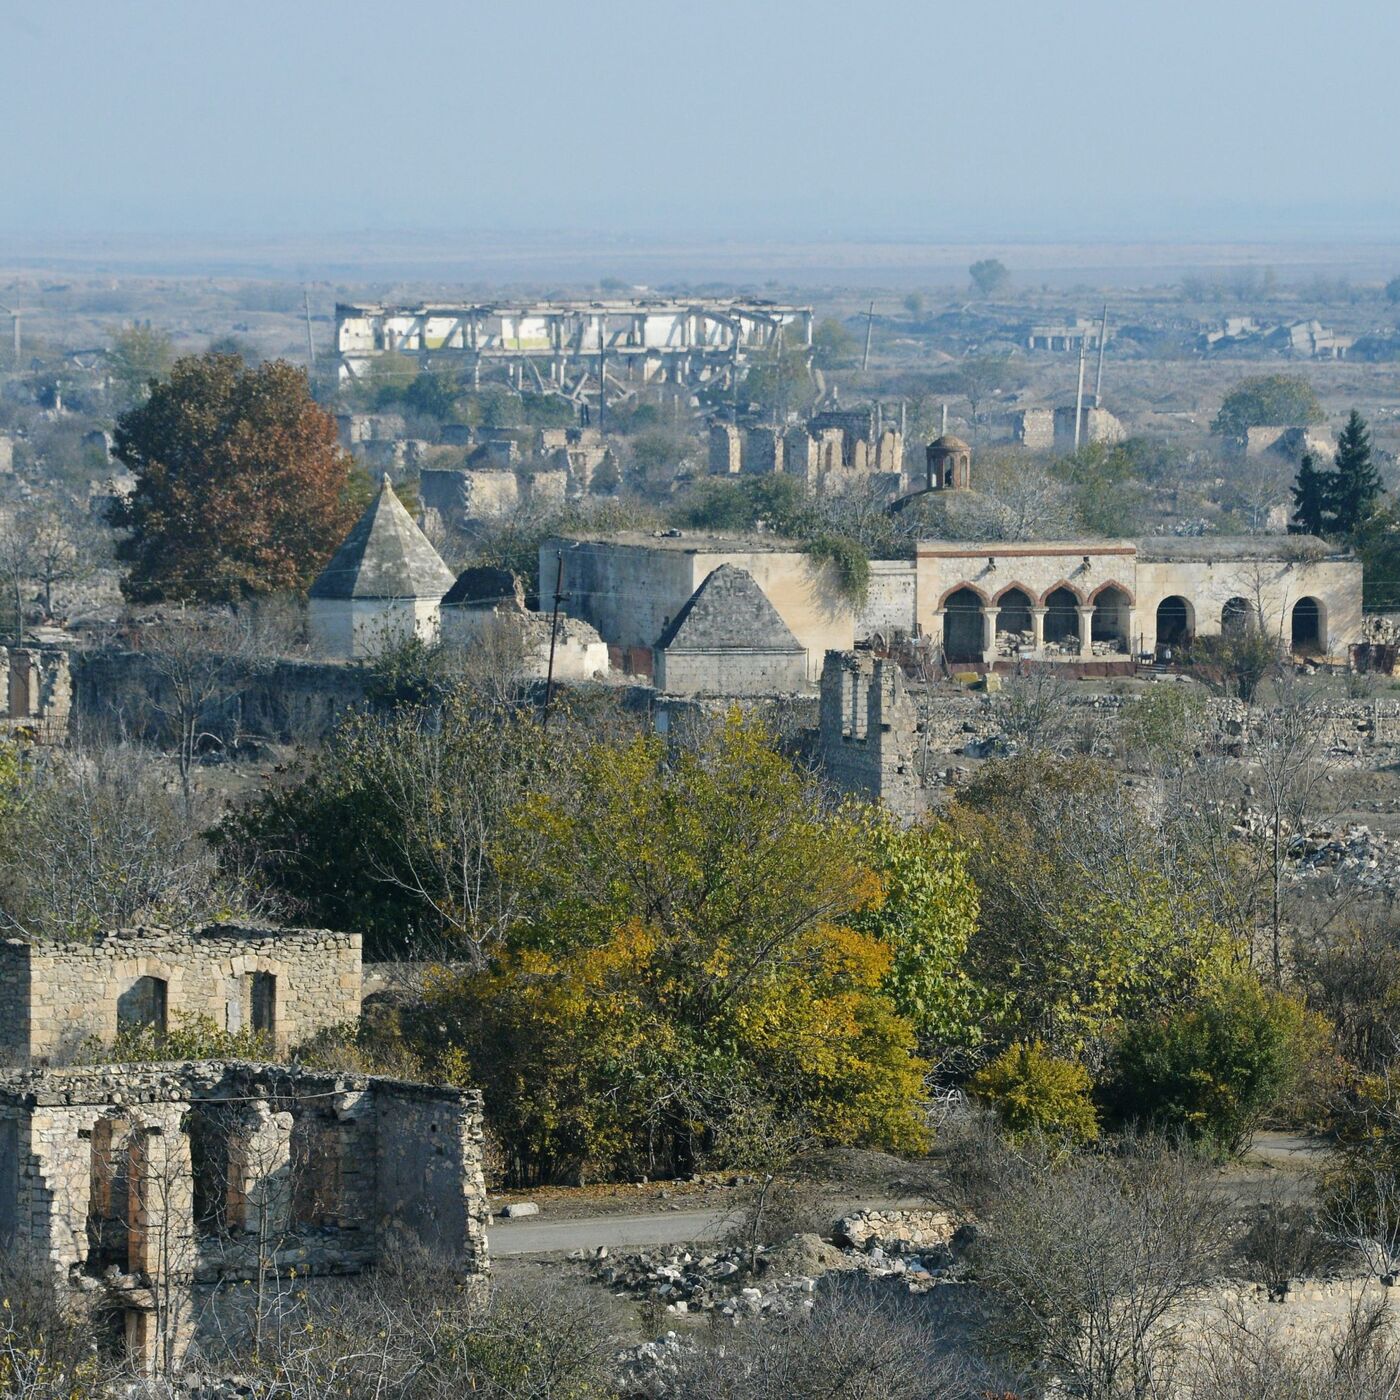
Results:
<point x="54" y="997"/>
<point x="631" y="585"/>
<point x="360" y="628"/>
<point x="889" y="601"/>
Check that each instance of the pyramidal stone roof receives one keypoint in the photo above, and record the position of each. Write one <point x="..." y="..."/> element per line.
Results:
<point x="385" y="555"/>
<point x="728" y="612"/>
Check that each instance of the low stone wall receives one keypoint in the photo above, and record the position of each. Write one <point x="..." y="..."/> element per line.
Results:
<point x="282" y="701"/>
<point x="898" y="1231"/>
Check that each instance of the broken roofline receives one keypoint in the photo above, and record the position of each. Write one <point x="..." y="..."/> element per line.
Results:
<point x="176" y="1080"/>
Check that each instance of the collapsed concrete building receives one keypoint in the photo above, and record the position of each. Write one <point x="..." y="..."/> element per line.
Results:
<point x="61" y="998"/>
<point x="561" y="345"/>
<point x="156" y="1193"/>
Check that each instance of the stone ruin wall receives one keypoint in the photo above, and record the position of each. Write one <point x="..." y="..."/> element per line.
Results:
<point x="150" y="1185"/>
<point x="54" y="997"/>
<point x="877" y="731"/>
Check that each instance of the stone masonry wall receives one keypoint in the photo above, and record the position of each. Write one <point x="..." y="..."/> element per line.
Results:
<point x="104" y="1173"/>
<point x="55" y="996"/>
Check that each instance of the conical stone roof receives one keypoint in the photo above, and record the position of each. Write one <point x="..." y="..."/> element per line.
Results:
<point x="728" y="611"/>
<point x="385" y="555"/>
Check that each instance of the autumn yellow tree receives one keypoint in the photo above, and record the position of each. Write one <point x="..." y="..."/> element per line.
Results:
<point x="241" y="486"/>
<point x="686" y="947"/>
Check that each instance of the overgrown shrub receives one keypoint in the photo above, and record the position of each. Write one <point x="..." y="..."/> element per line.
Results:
<point x="1214" y="1070"/>
<point x="1034" y="1091"/>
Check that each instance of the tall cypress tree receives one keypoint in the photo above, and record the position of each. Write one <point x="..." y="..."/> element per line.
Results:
<point x="1356" y="484"/>
<point x="1311" y="493"/>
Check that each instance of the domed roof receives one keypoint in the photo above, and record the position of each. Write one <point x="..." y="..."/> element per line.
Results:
<point x="949" y="443"/>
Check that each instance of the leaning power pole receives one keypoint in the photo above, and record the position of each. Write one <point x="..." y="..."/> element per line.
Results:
<point x="1079" y="394"/>
<point x="310" y="343"/>
<point x="869" y="328"/>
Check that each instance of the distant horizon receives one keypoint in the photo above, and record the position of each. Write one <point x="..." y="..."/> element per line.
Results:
<point x="494" y="258"/>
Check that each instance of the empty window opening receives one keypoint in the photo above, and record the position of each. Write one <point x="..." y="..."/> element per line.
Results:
<point x="109" y="1216"/>
<point x="1307" y="630"/>
<point x="1174" y="622"/>
<point x="1236" y="616"/>
<point x="1015" y="614"/>
<point x="1111" y="614"/>
<point x="144" y="1003"/>
<point x="963" y="626"/>
<point x="262" y="1003"/>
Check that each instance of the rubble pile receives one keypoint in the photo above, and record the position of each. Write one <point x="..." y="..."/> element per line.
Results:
<point x="1356" y="854"/>
<point x="912" y="1250"/>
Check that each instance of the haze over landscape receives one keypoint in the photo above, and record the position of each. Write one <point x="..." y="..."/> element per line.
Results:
<point x="283" y="129"/>
<point x="699" y="701"/>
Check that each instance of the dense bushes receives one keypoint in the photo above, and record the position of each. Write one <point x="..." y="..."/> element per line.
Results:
<point x="1034" y="1091"/>
<point x="1215" y="1069"/>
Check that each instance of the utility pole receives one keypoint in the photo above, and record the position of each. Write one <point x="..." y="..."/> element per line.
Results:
<point x="559" y="597"/>
<point x="869" y="328"/>
<point x="602" y="368"/>
<point x="1098" y="379"/>
<point x="1079" y="394"/>
<point x="14" y="329"/>
<point x="310" y="344"/>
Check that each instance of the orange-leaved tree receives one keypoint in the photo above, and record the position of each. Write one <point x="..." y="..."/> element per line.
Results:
<point x="241" y="485"/>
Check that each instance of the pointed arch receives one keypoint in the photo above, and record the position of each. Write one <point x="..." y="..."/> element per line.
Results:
<point x="1121" y="587"/>
<point x="1068" y="587"/>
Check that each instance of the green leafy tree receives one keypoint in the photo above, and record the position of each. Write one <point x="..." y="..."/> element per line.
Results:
<point x="927" y="918"/>
<point x="1311" y="492"/>
<point x="1355" y="484"/>
<point x="683" y="951"/>
<point x="1035" y="1091"/>
<point x="1087" y="917"/>
<point x="1392" y="291"/>
<point x="833" y="345"/>
<point x="1377" y="544"/>
<point x="139" y="355"/>
<point x="914" y="305"/>
<point x="1214" y="1070"/>
<point x="1267" y="400"/>
<point x="989" y="276"/>
<point x="240" y="483"/>
<point x="780" y="381"/>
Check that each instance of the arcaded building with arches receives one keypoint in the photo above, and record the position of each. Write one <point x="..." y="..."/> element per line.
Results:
<point x="1101" y="600"/>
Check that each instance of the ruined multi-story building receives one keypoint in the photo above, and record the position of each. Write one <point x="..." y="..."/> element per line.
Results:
<point x="58" y="998"/>
<point x="833" y="449"/>
<point x="556" y="343"/>
<point x="868" y="731"/>
<point x="178" y="1200"/>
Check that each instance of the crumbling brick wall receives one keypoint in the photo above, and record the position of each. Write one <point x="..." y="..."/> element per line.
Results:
<point x="54" y="996"/>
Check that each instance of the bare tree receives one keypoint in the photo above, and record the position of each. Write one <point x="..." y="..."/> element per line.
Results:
<point x="1092" y="1260"/>
<point x="97" y="841"/>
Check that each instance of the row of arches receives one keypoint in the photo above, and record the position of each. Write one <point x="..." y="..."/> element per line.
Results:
<point x="1061" y="618"/>
<point x="1307" y="622"/>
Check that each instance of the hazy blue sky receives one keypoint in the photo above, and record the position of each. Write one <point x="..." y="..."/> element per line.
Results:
<point x="989" y="119"/>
